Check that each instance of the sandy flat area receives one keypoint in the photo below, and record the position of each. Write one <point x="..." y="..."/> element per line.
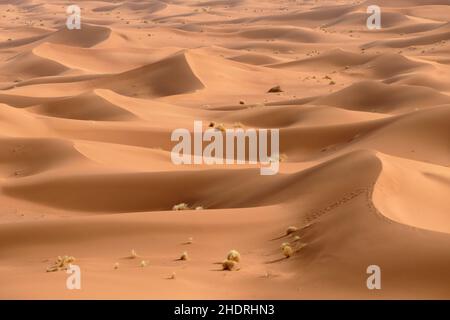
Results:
<point x="86" y="118"/>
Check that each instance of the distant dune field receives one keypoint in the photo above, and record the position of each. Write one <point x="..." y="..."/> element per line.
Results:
<point x="86" y="117"/>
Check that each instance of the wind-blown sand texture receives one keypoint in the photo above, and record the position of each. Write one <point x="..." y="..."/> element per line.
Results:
<point x="85" y="170"/>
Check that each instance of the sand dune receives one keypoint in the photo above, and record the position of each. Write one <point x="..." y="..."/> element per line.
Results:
<point x="433" y="182"/>
<point x="99" y="60"/>
<point x="28" y="66"/>
<point x="86" y="118"/>
<point x="377" y="97"/>
<point x="428" y="38"/>
<point x="87" y="106"/>
<point x="256" y="59"/>
<point x="332" y="58"/>
<point x="23" y="157"/>
<point x="152" y="6"/>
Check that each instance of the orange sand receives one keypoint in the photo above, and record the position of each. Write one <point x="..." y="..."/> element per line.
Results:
<point x="85" y="123"/>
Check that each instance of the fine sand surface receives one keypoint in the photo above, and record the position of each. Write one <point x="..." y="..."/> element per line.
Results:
<point x="85" y="170"/>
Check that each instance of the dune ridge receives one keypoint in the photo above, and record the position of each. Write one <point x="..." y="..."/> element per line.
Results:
<point x="86" y="118"/>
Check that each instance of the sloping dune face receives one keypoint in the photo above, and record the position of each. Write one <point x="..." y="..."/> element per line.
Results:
<point x="86" y="118"/>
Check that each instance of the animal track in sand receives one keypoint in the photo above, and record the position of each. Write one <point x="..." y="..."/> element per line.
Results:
<point x="346" y="198"/>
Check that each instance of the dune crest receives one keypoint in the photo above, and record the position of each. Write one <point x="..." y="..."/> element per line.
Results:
<point x="86" y="170"/>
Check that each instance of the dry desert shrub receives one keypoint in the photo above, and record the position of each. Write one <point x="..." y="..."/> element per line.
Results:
<point x="287" y="251"/>
<point x="234" y="255"/>
<point x="143" y="264"/>
<point x="181" y="207"/>
<point x="284" y="244"/>
<point x="133" y="255"/>
<point x="220" y="127"/>
<point x="229" y="265"/>
<point x="217" y="126"/>
<point x="61" y="263"/>
<point x="116" y="266"/>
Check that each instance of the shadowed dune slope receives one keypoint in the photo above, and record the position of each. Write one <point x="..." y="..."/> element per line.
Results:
<point x="86" y="170"/>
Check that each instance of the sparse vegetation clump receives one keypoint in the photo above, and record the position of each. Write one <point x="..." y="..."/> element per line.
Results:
<point x="61" y="263"/>
<point x="287" y="251"/>
<point x="143" y="264"/>
<point x="116" y="266"/>
<point x="133" y="255"/>
<point x="184" y="206"/>
<point x="234" y="255"/>
<point x="285" y="244"/>
<point x="231" y="262"/>
<point x="181" y="207"/>
<point x="217" y="126"/>
<point x="229" y="265"/>
<point x="220" y="127"/>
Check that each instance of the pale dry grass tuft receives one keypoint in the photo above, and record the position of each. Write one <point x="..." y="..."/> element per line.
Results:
<point x="285" y="244"/>
<point x="61" y="263"/>
<point x="287" y="251"/>
<point x="234" y="255"/>
<point x="220" y="127"/>
<point x="181" y="206"/>
<point x="229" y="265"/>
<point x="143" y="264"/>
